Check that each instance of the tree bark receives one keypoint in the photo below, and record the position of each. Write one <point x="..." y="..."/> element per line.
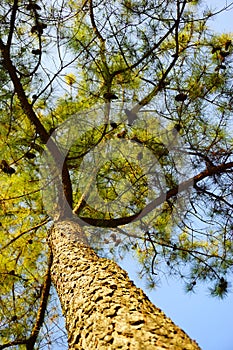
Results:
<point x="102" y="307"/>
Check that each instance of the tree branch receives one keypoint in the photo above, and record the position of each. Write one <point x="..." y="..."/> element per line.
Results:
<point x="13" y="343"/>
<point x="23" y="233"/>
<point x="185" y="185"/>
<point x="12" y="23"/>
<point x="42" y="308"/>
<point x="66" y="193"/>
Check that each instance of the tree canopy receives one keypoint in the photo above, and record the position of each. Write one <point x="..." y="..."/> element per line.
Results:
<point x="118" y="114"/>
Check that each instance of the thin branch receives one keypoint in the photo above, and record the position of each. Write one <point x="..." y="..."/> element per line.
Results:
<point x="211" y="194"/>
<point x="155" y="253"/>
<point x="160" y="84"/>
<point x="94" y="24"/>
<point x="13" y="343"/>
<point x="24" y="232"/>
<point x="163" y="243"/>
<point x="12" y="23"/>
<point x="146" y="55"/>
<point x="30" y="343"/>
<point x="42" y="308"/>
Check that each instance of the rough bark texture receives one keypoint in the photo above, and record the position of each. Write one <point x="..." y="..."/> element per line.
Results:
<point x="102" y="307"/>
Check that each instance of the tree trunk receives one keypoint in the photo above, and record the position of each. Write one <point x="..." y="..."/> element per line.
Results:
<point x="102" y="307"/>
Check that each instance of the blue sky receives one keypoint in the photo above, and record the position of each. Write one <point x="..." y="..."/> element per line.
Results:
<point x="206" y="319"/>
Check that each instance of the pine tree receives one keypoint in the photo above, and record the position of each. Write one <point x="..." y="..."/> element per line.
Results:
<point x="115" y="136"/>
